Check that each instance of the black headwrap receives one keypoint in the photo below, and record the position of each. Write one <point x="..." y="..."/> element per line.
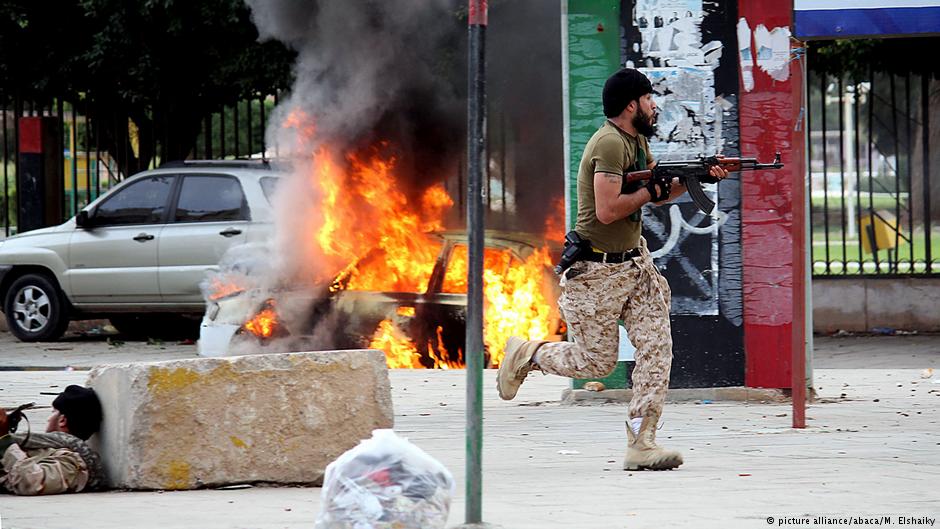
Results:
<point x="82" y="410"/>
<point x="622" y="87"/>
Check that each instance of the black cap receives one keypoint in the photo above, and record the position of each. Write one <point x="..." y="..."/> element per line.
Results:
<point x="81" y="409"/>
<point x="622" y="87"/>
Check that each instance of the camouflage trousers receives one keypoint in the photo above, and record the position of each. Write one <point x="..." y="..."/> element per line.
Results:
<point x="43" y="471"/>
<point x="594" y="296"/>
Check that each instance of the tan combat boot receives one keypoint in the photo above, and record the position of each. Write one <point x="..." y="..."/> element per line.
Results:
<point x="516" y="364"/>
<point x="642" y="451"/>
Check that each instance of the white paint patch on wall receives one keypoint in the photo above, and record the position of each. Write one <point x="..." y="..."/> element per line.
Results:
<point x="770" y="52"/>
<point x="745" y="55"/>
<point x="773" y="51"/>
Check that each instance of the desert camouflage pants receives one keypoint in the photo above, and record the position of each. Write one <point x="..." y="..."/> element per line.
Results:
<point x="43" y="471"/>
<point x="594" y="296"/>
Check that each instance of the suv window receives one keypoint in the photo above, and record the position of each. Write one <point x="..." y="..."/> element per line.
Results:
<point x="269" y="186"/>
<point x="142" y="202"/>
<point x="210" y="198"/>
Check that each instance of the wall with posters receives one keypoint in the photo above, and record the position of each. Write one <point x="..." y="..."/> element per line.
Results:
<point x="686" y="47"/>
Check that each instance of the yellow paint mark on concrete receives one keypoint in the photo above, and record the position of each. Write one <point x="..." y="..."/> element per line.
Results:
<point x="238" y="442"/>
<point x="167" y="381"/>
<point x="170" y="381"/>
<point x="177" y="473"/>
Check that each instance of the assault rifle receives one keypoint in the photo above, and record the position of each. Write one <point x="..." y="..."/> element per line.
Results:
<point x="693" y="173"/>
<point x="15" y="415"/>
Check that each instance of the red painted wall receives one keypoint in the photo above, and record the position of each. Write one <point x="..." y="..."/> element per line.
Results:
<point x="769" y="114"/>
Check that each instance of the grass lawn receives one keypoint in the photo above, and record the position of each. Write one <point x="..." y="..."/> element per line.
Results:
<point x="911" y="258"/>
<point x="879" y="201"/>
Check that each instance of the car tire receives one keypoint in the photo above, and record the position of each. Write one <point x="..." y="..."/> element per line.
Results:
<point x="159" y="326"/>
<point x="36" y="309"/>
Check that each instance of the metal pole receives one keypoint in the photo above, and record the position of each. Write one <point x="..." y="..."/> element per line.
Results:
<point x="4" y="107"/>
<point x="925" y="158"/>
<point x="825" y="163"/>
<point x="476" y="167"/>
<point x="800" y="180"/>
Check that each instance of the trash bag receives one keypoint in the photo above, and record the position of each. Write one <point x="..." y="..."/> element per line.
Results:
<point x="385" y="483"/>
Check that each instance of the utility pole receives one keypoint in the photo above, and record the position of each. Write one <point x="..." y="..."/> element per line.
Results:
<point x="476" y="167"/>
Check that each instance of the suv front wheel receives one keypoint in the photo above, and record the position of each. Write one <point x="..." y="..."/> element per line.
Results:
<point x="35" y="309"/>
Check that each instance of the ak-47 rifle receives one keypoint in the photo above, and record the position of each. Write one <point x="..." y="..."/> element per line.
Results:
<point x="692" y="173"/>
<point x="15" y="415"/>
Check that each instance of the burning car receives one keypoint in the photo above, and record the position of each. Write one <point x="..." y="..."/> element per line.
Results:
<point x="417" y="318"/>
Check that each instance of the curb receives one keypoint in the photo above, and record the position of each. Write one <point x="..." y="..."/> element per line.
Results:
<point x="583" y="397"/>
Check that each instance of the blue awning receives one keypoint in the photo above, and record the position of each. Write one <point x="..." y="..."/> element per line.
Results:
<point x="827" y="19"/>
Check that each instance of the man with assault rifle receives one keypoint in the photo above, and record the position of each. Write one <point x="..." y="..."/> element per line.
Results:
<point x="607" y="272"/>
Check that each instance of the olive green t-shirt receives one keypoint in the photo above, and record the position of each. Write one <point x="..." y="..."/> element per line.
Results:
<point x="610" y="150"/>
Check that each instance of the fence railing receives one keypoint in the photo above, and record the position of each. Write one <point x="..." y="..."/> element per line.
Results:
<point x="869" y="153"/>
<point x="98" y="148"/>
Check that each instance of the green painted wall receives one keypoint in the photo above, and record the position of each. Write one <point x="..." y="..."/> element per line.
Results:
<point x="590" y="53"/>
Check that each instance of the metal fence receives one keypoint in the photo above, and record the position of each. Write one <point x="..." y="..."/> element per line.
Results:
<point x="870" y="174"/>
<point x="98" y="149"/>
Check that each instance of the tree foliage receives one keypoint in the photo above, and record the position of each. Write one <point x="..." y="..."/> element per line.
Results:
<point x="856" y="58"/>
<point x="162" y="63"/>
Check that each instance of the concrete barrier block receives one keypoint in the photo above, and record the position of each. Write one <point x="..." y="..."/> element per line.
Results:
<point x="277" y="418"/>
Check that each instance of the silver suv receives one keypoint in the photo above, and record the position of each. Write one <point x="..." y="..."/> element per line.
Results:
<point x="144" y="247"/>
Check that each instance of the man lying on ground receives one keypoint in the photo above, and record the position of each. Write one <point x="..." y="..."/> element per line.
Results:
<point x="59" y="460"/>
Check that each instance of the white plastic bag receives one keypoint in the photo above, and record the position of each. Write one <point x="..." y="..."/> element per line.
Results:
<point x="385" y="483"/>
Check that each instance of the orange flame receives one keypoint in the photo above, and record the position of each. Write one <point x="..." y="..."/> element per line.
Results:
<point x="555" y="222"/>
<point x="378" y="236"/>
<point x="514" y="303"/>
<point x="400" y="351"/>
<point x="441" y="356"/>
<point x="265" y="323"/>
<point x="219" y="289"/>
<point x="370" y="228"/>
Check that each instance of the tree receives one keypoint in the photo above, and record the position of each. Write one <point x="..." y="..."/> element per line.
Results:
<point x="162" y="63"/>
<point x="882" y="58"/>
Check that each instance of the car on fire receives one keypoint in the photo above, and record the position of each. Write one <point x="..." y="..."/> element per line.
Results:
<point x="137" y="254"/>
<point x="432" y="320"/>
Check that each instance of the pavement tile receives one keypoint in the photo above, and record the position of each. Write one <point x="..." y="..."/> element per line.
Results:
<point x="743" y="461"/>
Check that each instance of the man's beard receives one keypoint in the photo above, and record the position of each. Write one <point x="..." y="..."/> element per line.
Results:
<point x="644" y="123"/>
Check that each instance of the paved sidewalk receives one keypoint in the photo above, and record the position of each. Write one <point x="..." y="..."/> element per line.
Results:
<point x="870" y="449"/>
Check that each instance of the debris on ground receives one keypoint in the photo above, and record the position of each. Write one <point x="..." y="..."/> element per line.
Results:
<point x="384" y="483"/>
<point x="926" y="373"/>
<point x="595" y="386"/>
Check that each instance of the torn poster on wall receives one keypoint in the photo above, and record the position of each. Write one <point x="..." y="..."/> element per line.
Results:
<point x="671" y="34"/>
<point x="772" y="55"/>
<point x="686" y="100"/>
<point x="681" y="69"/>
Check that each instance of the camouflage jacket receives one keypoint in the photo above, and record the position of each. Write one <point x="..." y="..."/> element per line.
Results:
<point x="49" y="463"/>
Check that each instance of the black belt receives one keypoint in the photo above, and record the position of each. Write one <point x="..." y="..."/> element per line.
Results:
<point x="617" y="257"/>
